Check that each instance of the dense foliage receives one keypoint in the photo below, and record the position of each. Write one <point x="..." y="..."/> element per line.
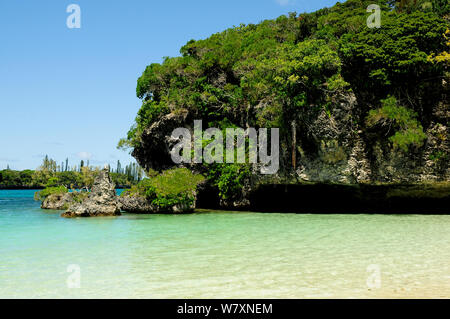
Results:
<point x="261" y="74"/>
<point x="408" y="130"/>
<point x="51" y="175"/>
<point x="228" y="178"/>
<point x="76" y="196"/>
<point x="172" y="187"/>
<point x="55" y="190"/>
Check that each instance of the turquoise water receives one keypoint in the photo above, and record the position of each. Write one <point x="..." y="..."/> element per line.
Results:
<point x="220" y="254"/>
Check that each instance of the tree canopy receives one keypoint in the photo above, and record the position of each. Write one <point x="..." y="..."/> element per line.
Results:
<point x="265" y="74"/>
<point x="281" y="65"/>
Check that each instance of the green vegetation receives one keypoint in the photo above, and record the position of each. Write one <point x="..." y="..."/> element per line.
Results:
<point x="408" y="130"/>
<point x="49" y="174"/>
<point x="267" y="74"/>
<point x="228" y="178"/>
<point x="76" y="196"/>
<point x="43" y="194"/>
<point x="171" y="187"/>
<point x="394" y="59"/>
<point x="441" y="7"/>
<point x="438" y="156"/>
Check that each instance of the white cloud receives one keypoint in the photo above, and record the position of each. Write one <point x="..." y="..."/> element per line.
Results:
<point x="84" y="155"/>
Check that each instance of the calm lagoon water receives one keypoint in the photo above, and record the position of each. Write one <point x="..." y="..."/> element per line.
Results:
<point x="221" y="255"/>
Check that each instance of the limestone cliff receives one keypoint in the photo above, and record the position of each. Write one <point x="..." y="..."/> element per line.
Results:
<point x="330" y="148"/>
<point x="355" y="106"/>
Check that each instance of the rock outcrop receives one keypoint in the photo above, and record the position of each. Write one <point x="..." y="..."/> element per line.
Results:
<point x="157" y="141"/>
<point x="59" y="201"/>
<point x="136" y="204"/>
<point x="331" y="147"/>
<point x="102" y="201"/>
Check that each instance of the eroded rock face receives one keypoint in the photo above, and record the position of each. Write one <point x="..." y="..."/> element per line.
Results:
<point x="102" y="201"/>
<point x="140" y="205"/>
<point x="137" y="205"/>
<point x="58" y="201"/>
<point x="332" y="146"/>
<point x="157" y="141"/>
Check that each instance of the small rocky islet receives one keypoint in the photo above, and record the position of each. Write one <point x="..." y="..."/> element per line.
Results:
<point x="103" y="201"/>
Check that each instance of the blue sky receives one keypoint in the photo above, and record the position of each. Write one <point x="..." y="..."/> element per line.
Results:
<point x="71" y="92"/>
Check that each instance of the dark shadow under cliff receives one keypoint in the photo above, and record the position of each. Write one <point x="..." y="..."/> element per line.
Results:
<point x="342" y="199"/>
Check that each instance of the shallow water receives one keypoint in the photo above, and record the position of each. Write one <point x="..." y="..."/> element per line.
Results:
<point x="220" y="255"/>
